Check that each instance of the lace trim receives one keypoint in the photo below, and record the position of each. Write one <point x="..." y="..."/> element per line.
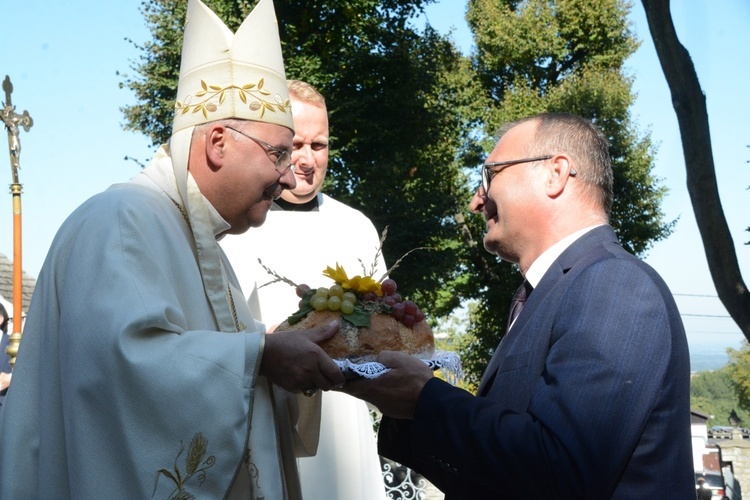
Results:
<point x="447" y="361"/>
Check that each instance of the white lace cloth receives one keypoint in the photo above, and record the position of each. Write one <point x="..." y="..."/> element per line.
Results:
<point x="447" y="361"/>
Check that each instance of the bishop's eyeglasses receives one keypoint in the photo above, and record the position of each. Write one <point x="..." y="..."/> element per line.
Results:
<point x="283" y="161"/>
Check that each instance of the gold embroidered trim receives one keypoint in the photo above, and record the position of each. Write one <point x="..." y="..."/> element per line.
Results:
<point x="195" y="465"/>
<point x="254" y="476"/>
<point x="238" y="325"/>
<point x="182" y="211"/>
<point x="251" y="91"/>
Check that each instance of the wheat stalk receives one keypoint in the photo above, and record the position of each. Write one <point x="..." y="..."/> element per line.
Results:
<point x="275" y="275"/>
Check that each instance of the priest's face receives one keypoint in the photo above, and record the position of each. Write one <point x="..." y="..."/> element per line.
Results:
<point x="310" y="153"/>
<point x="255" y="172"/>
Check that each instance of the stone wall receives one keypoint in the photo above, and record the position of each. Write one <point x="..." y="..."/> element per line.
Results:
<point x="735" y="452"/>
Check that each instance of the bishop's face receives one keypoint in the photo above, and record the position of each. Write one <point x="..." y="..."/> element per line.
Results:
<point x="254" y="177"/>
<point x="310" y="150"/>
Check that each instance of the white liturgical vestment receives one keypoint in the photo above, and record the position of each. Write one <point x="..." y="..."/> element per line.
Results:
<point x="124" y="387"/>
<point x="299" y="246"/>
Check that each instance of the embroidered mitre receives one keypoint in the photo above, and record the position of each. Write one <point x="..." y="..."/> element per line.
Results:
<point x="223" y="75"/>
<point x="226" y="75"/>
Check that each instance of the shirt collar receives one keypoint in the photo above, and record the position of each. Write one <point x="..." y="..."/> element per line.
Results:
<point x="542" y="263"/>
<point x="287" y="206"/>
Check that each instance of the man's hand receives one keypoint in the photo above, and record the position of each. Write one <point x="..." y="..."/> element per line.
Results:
<point x="396" y="392"/>
<point x="295" y="362"/>
<point x="4" y="380"/>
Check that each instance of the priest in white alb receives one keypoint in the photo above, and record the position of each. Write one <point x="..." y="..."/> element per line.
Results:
<point x="306" y="232"/>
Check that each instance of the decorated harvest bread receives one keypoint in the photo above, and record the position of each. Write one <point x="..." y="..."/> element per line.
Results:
<point x="372" y="317"/>
<point x="385" y="333"/>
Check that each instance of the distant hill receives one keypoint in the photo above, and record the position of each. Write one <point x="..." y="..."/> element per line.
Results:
<point x="700" y="362"/>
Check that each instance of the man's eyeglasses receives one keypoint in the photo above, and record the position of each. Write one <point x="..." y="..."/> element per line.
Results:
<point x="488" y="173"/>
<point x="283" y="161"/>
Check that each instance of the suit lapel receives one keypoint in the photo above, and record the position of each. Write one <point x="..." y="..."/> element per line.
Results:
<point x="513" y="337"/>
<point x="577" y="252"/>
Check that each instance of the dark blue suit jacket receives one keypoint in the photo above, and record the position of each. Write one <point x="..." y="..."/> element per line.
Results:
<point x="588" y="396"/>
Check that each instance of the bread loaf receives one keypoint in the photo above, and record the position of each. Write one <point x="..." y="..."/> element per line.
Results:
<point x="385" y="333"/>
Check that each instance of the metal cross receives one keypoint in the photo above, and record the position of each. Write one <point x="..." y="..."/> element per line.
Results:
<point x="12" y="120"/>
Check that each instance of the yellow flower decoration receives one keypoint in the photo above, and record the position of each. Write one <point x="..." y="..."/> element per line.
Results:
<point x="360" y="284"/>
<point x="363" y="284"/>
<point x="338" y="275"/>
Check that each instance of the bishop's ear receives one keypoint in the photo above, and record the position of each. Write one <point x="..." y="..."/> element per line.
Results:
<point x="216" y="141"/>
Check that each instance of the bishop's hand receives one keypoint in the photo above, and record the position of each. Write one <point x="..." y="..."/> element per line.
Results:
<point x="295" y="362"/>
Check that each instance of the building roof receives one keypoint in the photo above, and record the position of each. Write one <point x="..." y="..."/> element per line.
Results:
<point x="6" y="284"/>
<point x="698" y="417"/>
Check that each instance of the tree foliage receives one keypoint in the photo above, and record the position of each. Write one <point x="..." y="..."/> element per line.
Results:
<point x="563" y="55"/>
<point x="739" y="371"/>
<point x="713" y="392"/>
<point x="402" y="102"/>
<point x="411" y="118"/>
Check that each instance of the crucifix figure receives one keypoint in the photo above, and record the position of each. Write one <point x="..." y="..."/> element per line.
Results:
<point x="12" y="120"/>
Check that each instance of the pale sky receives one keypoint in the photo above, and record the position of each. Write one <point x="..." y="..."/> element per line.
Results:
<point x="63" y="59"/>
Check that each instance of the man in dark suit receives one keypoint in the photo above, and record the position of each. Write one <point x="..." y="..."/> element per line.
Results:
<point x="587" y="395"/>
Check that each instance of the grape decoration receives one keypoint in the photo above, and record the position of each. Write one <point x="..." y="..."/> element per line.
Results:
<point x="356" y="304"/>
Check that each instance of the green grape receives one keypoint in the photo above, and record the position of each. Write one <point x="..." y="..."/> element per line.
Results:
<point x="347" y="306"/>
<point x="334" y="303"/>
<point x="322" y="291"/>
<point x="350" y="296"/>
<point x="319" y="303"/>
<point x="336" y="291"/>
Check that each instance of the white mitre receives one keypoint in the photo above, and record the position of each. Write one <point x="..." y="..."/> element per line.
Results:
<point x="226" y="75"/>
<point x="223" y="75"/>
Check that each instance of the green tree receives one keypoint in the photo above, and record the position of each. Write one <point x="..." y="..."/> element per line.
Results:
<point x="739" y="372"/>
<point x="403" y="102"/>
<point x="411" y="119"/>
<point x="714" y="392"/>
